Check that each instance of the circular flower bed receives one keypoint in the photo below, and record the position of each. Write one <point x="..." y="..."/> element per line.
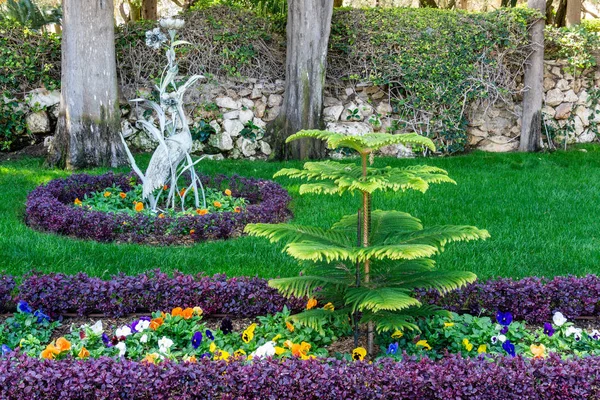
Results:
<point x="52" y="208"/>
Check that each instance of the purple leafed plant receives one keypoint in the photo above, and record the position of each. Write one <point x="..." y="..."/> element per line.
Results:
<point x="450" y="378"/>
<point x="50" y="208"/>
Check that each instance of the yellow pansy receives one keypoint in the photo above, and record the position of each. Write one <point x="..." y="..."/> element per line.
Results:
<point x="221" y="355"/>
<point x="239" y="353"/>
<point x="482" y="348"/>
<point x="397" y="334"/>
<point x="212" y="347"/>
<point x="423" y="343"/>
<point x="279" y="350"/>
<point x="328" y="307"/>
<point x="468" y="345"/>
<point x="448" y="324"/>
<point x="359" y="353"/>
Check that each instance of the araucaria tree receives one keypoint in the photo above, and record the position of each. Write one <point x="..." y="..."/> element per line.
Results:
<point x="88" y="128"/>
<point x="367" y="264"/>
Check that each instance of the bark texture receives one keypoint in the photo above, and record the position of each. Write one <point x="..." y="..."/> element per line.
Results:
<point x="573" y="16"/>
<point x="87" y="132"/>
<point x="150" y="10"/>
<point x="308" y="28"/>
<point x="531" y="126"/>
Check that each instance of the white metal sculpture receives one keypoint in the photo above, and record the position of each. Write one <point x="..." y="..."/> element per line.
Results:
<point x="172" y="156"/>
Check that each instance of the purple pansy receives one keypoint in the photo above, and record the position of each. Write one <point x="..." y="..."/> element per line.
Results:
<point x="548" y="329"/>
<point x="5" y="349"/>
<point x="209" y="334"/>
<point x="196" y="340"/>
<point x="509" y="348"/>
<point x="392" y="348"/>
<point x="504" y="318"/>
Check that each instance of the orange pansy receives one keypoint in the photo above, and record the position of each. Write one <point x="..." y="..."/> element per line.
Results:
<point x="289" y="327"/>
<point x="227" y="192"/>
<point x="139" y="206"/>
<point x="217" y="204"/>
<point x="538" y="351"/>
<point x="187" y="313"/>
<point x="202" y="212"/>
<point x="312" y="303"/>
<point x="161" y="215"/>
<point x="237" y="209"/>
<point x="77" y="202"/>
<point x="107" y="194"/>
<point x="123" y="195"/>
<point x="63" y="344"/>
<point x="176" y="312"/>
<point x="155" y="323"/>
<point x="83" y="353"/>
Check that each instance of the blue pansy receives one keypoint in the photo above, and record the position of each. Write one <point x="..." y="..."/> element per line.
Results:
<point x="504" y="318"/>
<point x="41" y="316"/>
<point x="504" y="330"/>
<point x="197" y="340"/>
<point x="509" y="348"/>
<point x="24" y="307"/>
<point x="548" y="329"/>
<point x="392" y="348"/>
<point x="106" y="340"/>
<point x="5" y="349"/>
<point x="209" y="334"/>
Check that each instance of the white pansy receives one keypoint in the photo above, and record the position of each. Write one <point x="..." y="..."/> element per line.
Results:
<point x="559" y="319"/>
<point x="494" y="339"/>
<point x="502" y="338"/>
<point x="97" y="328"/>
<point x="266" y="350"/>
<point x="144" y="338"/>
<point x="122" y="348"/>
<point x="595" y="334"/>
<point x="123" y="331"/>
<point x="142" y="325"/>
<point x="576" y="332"/>
<point x="165" y="344"/>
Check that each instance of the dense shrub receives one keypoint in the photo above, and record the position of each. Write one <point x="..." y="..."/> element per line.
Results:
<point x="50" y="208"/>
<point x="531" y="299"/>
<point x="453" y="377"/>
<point x="58" y="294"/>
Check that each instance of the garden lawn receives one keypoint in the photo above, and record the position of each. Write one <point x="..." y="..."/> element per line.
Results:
<point x="540" y="209"/>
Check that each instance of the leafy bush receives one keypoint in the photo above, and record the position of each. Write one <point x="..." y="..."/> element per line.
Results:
<point x="453" y="377"/>
<point x="577" y="44"/>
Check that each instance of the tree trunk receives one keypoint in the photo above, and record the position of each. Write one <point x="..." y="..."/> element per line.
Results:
<point x="308" y="28"/>
<point x="560" y="19"/>
<point x="531" y="122"/>
<point x="573" y="16"/>
<point x="428" y="3"/>
<point x="135" y="11"/>
<point x="150" y="10"/>
<point x="87" y="134"/>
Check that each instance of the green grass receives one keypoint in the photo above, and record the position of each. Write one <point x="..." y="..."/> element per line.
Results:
<point x="541" y="210"/>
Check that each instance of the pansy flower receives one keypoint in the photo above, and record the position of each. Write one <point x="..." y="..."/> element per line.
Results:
<point x="504" y="330"/>
<point x="397" y="334"/>
<point x="5" y="349"/>
<point x="226" y="326"/>
<point x="23" y="307"/>
<point x="559" y="319"/>
<point x="289" y="326"/>
<point x="548" y="329"/>
<point x="504" y="318"/>
<point x="423" y="343"/>
<point x="482" y="349"/>
<point x="209" y="334"/>
<point x="196" y="340"/>
<point x="359" y="353"/>
<point x="468" y="345"/>
<point x="595" y="334"/>
<point x="509" y="348"/>
<point x="392" y="348"/>
<point x="83" y="353"/>
<point x="576" y="332"/>
<point x="106" y="340"/>
<point x="538" y="351"/>
<point x="122" y="348"/>
<point x="311" y="304"/>
<point x="41" y="317"/>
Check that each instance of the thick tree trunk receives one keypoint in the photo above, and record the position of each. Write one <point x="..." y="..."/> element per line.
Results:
<point x="308" y="28"/>
<point x="531" y="122"/>
<point x="573" y="16"/>
<point x="87" y="133"/>
<point x="150" y="10"/>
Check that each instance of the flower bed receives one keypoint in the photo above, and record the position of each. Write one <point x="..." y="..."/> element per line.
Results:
<point x="51" y="208"/>
<point x="453" y="377"/>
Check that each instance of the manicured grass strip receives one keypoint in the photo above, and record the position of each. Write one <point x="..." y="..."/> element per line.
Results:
<point x="539" y="208"/>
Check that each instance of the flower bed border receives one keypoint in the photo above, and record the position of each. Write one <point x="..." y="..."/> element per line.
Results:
<point x="452" y="377"/>
<point x="50" y="208"/>
<point x="530" y="299"/>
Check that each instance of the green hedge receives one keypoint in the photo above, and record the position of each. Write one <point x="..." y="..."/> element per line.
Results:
<point x="433" y="60"/>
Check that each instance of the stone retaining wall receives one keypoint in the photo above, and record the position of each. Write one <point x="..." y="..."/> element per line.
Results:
<point x="238" y="111"/>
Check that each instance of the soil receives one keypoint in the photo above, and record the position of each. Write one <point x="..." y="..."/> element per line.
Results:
<point x="36" y="150"/>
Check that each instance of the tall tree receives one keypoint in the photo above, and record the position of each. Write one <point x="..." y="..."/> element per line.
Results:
<point x="308" y="28"/>
<point x="88" y="127"/>
<point x="573" y="16"/>
<point x="531" y="122"/>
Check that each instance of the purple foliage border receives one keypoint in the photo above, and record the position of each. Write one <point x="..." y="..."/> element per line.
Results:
<point x="50" y="208"/>
<point x="530" y="299"/>
<point x="450" y="378"/>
